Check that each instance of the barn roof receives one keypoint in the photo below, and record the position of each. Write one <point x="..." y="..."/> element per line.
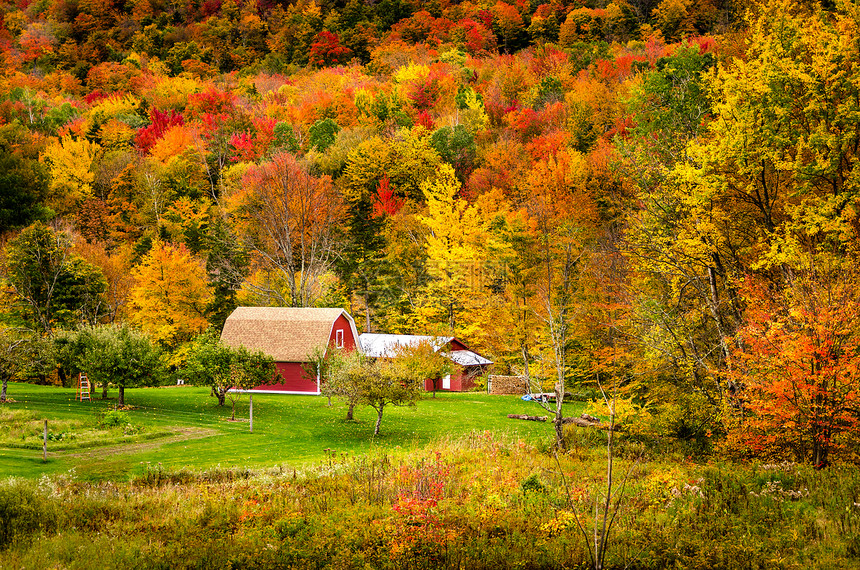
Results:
<point x="469" y="358"/>
<point x="385" y="345"/>
<point x="287" y="334"/>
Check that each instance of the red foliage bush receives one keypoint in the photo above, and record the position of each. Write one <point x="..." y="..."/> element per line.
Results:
<point x="160" y="121"/>
<point x="326" y="50"/>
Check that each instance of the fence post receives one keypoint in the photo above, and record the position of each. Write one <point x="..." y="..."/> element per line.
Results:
<point x="45" y="444"/>
<point x="251" y="417"/>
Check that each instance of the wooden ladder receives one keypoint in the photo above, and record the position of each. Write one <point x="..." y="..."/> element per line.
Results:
<point x="83" y="387"/>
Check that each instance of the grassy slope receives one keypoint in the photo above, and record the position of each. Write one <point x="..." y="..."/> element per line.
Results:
<point x="288" y="430"/>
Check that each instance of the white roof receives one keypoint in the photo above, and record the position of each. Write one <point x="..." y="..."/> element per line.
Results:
<point x="469" y="358"/>
<point x="385" y="345"/>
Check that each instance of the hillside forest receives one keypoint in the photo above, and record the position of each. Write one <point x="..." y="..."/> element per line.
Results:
<point x="655" y="198"/>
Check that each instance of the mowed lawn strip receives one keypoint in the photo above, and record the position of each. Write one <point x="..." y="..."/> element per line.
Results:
<point x="289" y="431"/>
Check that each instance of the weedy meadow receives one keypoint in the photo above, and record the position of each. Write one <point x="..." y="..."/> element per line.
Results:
<point x="478" y="501"/>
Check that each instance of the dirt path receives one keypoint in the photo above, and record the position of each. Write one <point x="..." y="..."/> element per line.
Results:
<point x="183" y="434"/>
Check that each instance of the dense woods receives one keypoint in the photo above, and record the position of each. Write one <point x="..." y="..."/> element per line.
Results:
<point x="659" y="197"/>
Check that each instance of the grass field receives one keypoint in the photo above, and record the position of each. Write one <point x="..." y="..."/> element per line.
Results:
<point x="451" y="483"/>
<point x="181" y="426"/>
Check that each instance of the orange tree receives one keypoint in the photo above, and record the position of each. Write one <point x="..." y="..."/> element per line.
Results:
<point x="287" y="218"/>
<point x="796" y="365"/>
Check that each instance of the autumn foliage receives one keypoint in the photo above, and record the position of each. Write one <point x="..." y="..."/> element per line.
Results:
<point x="501" y="171"/>
<point x="796" y="370"/>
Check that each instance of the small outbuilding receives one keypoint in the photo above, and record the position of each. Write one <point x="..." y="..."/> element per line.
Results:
<point x="471" y="364"/>
<point x="290" y="335"/>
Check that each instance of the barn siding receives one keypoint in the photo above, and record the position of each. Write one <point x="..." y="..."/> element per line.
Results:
<point x="291" y="379"/>
<point x="460" y="382"/>
<point x="349" y="341"/>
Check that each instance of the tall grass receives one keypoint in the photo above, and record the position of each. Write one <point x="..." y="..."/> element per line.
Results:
<point x="477" y="501"/>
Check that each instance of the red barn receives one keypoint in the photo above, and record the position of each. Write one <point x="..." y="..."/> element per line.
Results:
<point x="289" y="335"/>
<point x="471" y="363"/>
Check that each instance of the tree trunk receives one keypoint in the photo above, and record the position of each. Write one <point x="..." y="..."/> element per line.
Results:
<point x="121" y="400"/>
<point x="3" y="390"/>
<point x="220" y="394"/>
<point x="558" y="421"/>
<point x="367" y="307"/>
<point x="104" y="390"/>
<point x="349" y="410"/>
<point x="378" y="418"/>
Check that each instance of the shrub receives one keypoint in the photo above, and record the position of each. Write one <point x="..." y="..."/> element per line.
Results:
<point x="114" y="418"/>
<point x="23" y="512"/>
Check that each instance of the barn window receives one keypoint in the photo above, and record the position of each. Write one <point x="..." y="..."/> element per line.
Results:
<point x="338" y="338"/>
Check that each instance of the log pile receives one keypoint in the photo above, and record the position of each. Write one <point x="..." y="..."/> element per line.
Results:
<point x="507" y="385"/>
<point x="584" y="420"/>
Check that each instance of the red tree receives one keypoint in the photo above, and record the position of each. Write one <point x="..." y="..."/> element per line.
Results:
<point x="160" y="121"/>
<point x="326" y="50"/>
<point x="386" y="201"/>
<point x="796" y="366"/>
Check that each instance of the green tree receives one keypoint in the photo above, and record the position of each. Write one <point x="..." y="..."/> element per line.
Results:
<point x="223" y="368"/>
<point x="226" y="265"/>
<point x="334" y="383"/>
<point x="23" y="181"/>
<point x="379" y="383"/>
<point x="672" y="103"/>
<point x="19" y="350"/>
<point x="52" y="286"/>
<point x="361" y="264"/>
<point x="121" y="355"/>
<point x="322" y="134"/>
<point x="456" y="146"/>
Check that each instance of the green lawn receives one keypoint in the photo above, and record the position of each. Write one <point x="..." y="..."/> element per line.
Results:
<point x="289" y="431"/>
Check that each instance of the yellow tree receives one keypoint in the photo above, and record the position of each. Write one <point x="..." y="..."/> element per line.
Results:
<point x="170" y="294"/>
<point x="770" y="180"/>
<point x="685" y="246"/>
<point x="407" y="161"/>
<point x="71" y="162"/>
<point x="785" y="143"/>
<point x="458" y="245"/>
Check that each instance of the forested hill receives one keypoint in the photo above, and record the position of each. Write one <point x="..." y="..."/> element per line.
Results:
<point x="659" y="194"/>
